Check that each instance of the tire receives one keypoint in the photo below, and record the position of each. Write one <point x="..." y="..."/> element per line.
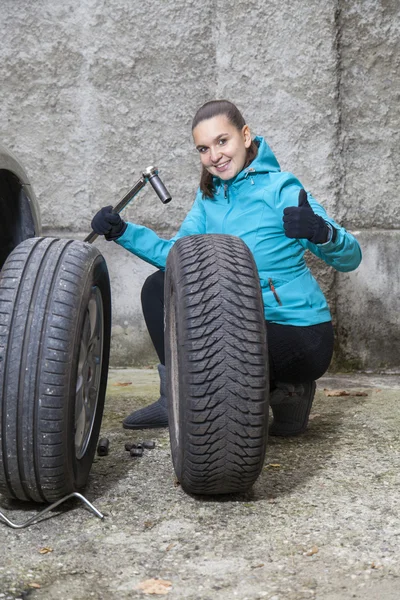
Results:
<point x="217" y="368"/>
<point x="55" y="320"/>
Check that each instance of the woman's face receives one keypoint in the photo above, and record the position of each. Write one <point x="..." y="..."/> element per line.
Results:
<point x="221" y="146"/>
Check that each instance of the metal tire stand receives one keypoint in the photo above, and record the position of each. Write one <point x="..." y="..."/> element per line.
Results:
<point x="94" y="510"/>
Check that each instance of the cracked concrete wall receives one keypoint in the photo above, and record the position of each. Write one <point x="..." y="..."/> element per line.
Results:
<point x="94" y="91"/>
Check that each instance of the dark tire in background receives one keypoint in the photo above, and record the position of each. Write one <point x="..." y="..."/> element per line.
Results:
<point x="217" y="367"/>
<point x="55" y="321"/>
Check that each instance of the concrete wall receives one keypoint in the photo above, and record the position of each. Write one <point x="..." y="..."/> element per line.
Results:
<point x="93" y="92"/>
<point x="368" y="305"/>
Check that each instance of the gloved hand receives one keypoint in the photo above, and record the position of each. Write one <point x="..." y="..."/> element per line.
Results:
<point x="107" y="223"/>
<point x="301" y="222"/>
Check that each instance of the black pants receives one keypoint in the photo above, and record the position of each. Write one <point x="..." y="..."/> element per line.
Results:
<point x="296" y="354"/>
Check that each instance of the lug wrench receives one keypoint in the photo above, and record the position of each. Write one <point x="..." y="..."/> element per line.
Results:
<point x="150" y="174"/>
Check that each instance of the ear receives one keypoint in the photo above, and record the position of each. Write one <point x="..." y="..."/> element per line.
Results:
<point x="246" y="136"/>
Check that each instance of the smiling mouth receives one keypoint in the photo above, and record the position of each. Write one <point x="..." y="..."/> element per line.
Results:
<point x="223" y="166"/>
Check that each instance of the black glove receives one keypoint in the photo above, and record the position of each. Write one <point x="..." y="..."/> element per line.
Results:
<point x="301" y="222"/>
<point x="108" y="223"/>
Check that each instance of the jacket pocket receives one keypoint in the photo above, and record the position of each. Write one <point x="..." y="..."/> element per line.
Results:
<point x="296" y="292"/>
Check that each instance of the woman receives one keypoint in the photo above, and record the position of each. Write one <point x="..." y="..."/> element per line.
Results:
<point x="243" y="192"/>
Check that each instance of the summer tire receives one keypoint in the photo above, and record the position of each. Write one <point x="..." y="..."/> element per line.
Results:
<point x="217" y="368"/>
<point x="55" y="319"/>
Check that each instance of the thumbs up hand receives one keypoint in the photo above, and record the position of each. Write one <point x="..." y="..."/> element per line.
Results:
<point x="301" y="222"/>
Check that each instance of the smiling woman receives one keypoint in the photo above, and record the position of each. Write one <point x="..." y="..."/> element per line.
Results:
<point x="243" y="193"/>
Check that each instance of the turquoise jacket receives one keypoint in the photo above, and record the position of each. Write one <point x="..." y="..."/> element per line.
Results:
<point x="251" y="206"/>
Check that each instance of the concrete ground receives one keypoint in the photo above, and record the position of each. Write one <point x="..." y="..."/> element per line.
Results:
<point x="322" y="521"/>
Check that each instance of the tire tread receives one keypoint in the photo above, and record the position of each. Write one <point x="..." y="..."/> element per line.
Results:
<point x="224" y="361"/>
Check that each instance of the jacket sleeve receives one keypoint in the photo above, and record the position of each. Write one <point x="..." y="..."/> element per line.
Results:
<point x="147" y="245"/>
<point x="343" y="254"/>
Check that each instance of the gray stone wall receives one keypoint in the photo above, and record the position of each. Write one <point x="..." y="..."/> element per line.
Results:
<point x="367" y="300"/>
<point x="93" y="92"/>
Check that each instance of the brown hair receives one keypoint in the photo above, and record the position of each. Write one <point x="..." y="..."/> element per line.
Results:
<point x="232" y="113"/>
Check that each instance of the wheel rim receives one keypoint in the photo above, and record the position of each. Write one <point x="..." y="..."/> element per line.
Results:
<point x="174" y="368"/>
<point x="89" y="372"/>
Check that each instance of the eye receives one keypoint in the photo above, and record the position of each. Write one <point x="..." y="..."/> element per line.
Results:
<point x="202" y="149"/>
<point x="222" y="141"/>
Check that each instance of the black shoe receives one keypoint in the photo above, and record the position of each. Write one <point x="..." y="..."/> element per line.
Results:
<point x="153" y="416"/>
<point x="291" y="405"/>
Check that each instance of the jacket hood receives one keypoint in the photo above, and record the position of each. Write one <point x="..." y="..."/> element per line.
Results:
<point x="264" y="162"/>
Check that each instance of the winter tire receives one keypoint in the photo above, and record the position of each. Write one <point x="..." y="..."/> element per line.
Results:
<point x="217" y="368"/>
<point x="55" y="319"/>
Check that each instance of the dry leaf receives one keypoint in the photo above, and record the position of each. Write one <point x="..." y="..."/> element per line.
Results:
<point x="344" y="393"/>
<point x="274" y="465"/>
<point x="155" y="586"/>
<point x="45" y="550"/>
<point x="311" y="551"/>
<point x="34" y="585"/>
<point x="257" y="566"/>
<point x="123" y="383"/>
<point x="148" y="524"/>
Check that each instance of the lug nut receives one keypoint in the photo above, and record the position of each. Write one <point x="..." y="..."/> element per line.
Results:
<point x="149" y="444"/>
<point x="102" y="448"/>
<point x="136" y="452"/>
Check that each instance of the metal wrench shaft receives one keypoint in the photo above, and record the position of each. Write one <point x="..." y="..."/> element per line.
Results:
<point x="150" y="174"/>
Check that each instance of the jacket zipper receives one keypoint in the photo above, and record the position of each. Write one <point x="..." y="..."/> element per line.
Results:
<point x="226" y="192"/>
<point x="273" y="290"/>
<point x="226" y="196"/>
<point x="248" y="172"/>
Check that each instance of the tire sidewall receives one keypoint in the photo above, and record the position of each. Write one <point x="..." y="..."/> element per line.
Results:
<point x="79" y="468"/>
<point x="173" y="301"/>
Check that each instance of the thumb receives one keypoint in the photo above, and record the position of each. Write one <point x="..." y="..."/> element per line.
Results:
<point x="106" y="210"/>
<point x="303" y="201"/>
